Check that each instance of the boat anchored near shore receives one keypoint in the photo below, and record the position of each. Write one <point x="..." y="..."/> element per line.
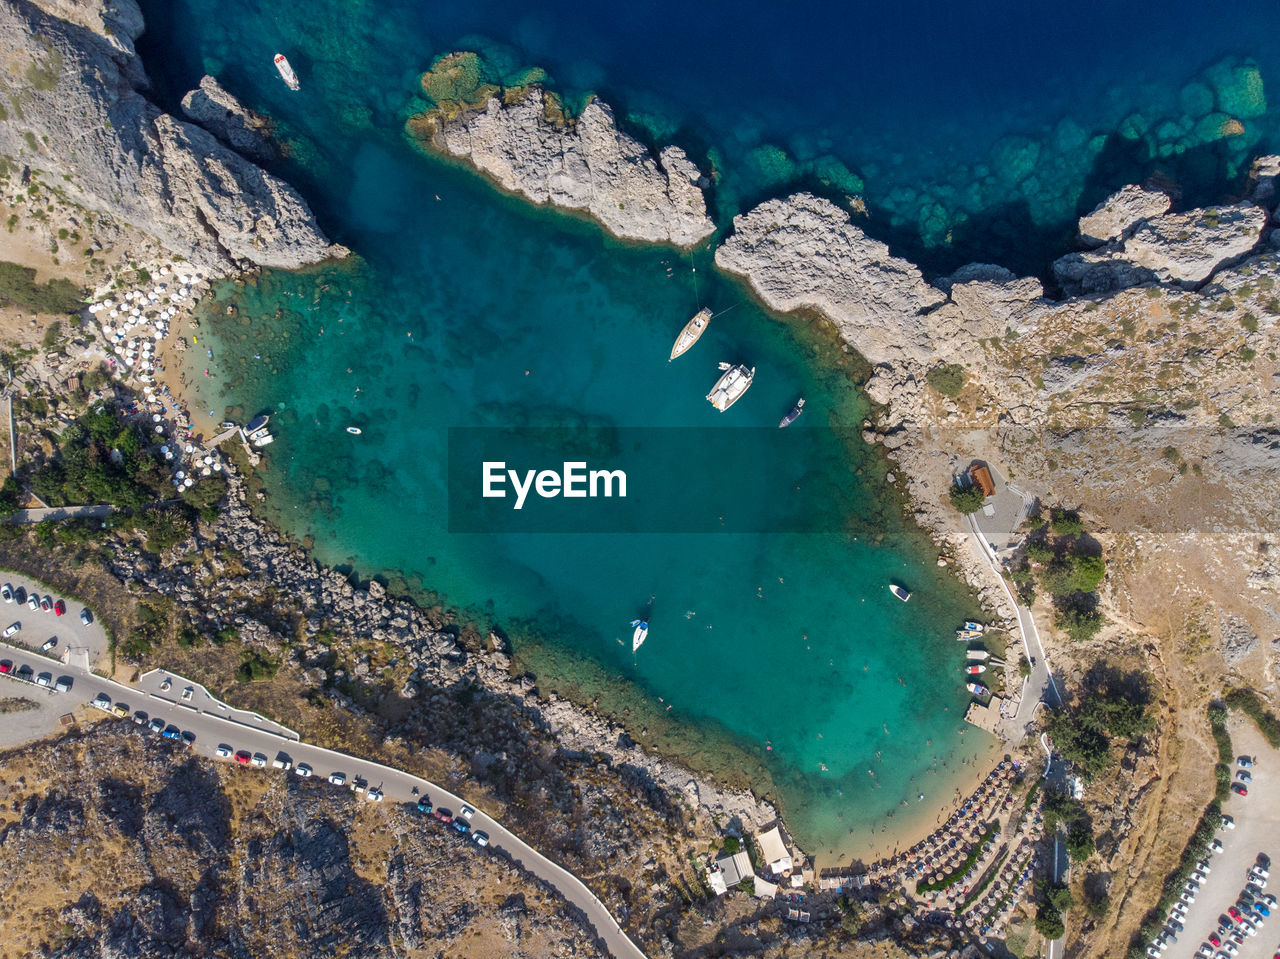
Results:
<point x="735" y="381"/>
<point x="899" y="591"/>
<point x="640" y="635"/>
<point x="793" y="415"/>
<point x="286" y="72"/>
<point x="692" y="330"/>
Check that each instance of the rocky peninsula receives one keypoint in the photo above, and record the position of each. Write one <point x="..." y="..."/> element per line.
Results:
<point x="525" y="140"/>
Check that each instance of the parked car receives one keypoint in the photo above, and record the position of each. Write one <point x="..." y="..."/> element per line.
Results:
<point x="24" y="673"/>
<point x="1244" y="776"/>
<point x="6" y="593"/>
<point x="461" y="826"/>
<point x="374" y="795"/>
<point x="1216" y="846"/>
<point x="1245" y="762"/>
<point x="6" y="667"/>
<point x="33" y="603"/>
<point x="189" y="737"/>
<point x="467" y="813"/>
<point x="480" y="838"/>
<point x="259" y="760"/>
<point x="424" y="806"/>
<point x="11" y="629"/>
<point x="1270" y="900"/>
<point x="86" y="617"/>
<point x="48" y="644"/>
<point x="102" y="701"/>
<point x="46" y="604"/>
<point x="338" y="779"/>
<point x="44" y="679"/>
<point x="359" y="784"/>
<point x="1205" y="951"/>
<point x="1198" y="876"/>
<point x="19" y="595"/>
<point x="59" y="608"/>
<point x="1234" y="913"/>
<point x="444" y="815"/>
<point x="1214" y="939"/>
<point x="242" y="757"/>
<point x="171" y="732"/>
<point x="303" y="770"/>
<point x="1239" y="789"/>
<point x="1204" y="866"/>
<point x="1261" y="909"/>
<point x="121" y="710"/>
<point x="282" y="761"/>
<point x="156" y="725"/>
<point x="141" y="718"/>
<point x="63" y="684"/>
<point x="1261" y="871"/>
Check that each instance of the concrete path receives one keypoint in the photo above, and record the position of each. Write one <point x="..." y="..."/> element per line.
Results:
<point x="101" y="511"/>
<point x="212" y="730"/>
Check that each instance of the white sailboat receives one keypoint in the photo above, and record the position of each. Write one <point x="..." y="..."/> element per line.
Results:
<point x="286" y="72"/>
<point x="640" y="635"/>
<point x="692" y="330"/>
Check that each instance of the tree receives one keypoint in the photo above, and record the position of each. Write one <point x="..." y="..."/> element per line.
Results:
<point x="1049" y="922"/>
<point x="1080" y="844"/>
<point x="10" y="496"/>
<point x="966" y="499"/>
<point x="1087" y="572"/>
<point x="1080" y="622"/>
<point x="1040" y="552"/>
<point x="1065" y="522"/>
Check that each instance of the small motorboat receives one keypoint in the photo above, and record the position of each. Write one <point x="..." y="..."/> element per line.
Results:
<point x="354" y="430"/>
<point x="640" y="635"/>
<point x="980" y="655"/>
<point x="692" y="330"/>
<point x="898" y="591"/>
<point x="286" y="72"/>
<point x="974" y="627"/>
<point x="967" y="635"/>
<point x="793" y="415"/>
<point x="976" y="670"/>
<point x="977" y="689"/>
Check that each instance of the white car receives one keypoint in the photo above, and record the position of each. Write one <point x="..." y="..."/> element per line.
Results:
<point x="33" y="603"/>
<point x="223" y="751"/>
<point x="1205" y="951"/>
<point x="467" y="813"/>
<point x="1270" y="900"/>
<point x="6" y="593"/>
<point x="1228" y="822"/>
<point x="102" y="701"/>
<point x="10" y="630"/>
<point x="258" y="760"/>
<point x="338" y="779"/>
<point x="1198" y="876"/>
<point x="1230" y="948"/>
<point x="303" y="770"/>
<point x="1215" y="846"/>
<point x="482" y="839"/>
<point x="374" y="795"/>
<point x="1179" y="911"/>
<point x="44" y="679"/>
<point x="48" y="644"/>
<point x="1204" y="866"/>
<point x="1261" y="871"/>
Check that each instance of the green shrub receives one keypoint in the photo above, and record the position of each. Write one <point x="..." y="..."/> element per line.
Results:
<point x="947" y="380"/>
<point x="1081" y="623"/>
<point x="1080" y="841"/>
<point x="1087" y="572"/>
<point x="18" y="287"/>
<point x="256" y="667"/>
<point x="1249" y="703"/>
<point x="1048" y="922"/>
<point x="1065" y="522"/>
<point x="966" y="499"/>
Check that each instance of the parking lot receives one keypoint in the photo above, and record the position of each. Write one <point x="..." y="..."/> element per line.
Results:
<point x="1257" y="830"/>
<point x="86" y="645"/>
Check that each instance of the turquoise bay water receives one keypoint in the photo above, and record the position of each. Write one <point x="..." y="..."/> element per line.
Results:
<point x="470" y="309"/>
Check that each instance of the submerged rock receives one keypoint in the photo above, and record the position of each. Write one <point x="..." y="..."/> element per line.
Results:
<point x="526" y="143"/>
<point x="1120" y="212"/>
<point x="85" y="123"/>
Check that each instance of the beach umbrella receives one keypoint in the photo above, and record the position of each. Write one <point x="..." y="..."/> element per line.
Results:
<point x="159" y="429"/>
<point x="168" y="456"/>
<point x="180" y="474"/>
<point x="190" y="448"/>
<point x="188" y="481"/>
<point x="217" y="466"/>
<point x="206" y="471"/>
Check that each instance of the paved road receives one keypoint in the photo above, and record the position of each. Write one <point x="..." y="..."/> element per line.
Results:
<point x="1257" y="830"/>
<point x="398" y="786"/>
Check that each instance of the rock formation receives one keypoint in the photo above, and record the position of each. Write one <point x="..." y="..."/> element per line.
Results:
<point x="586" y="164"/>
<point x="1119" y="212"/>
<point x="802" y="252"/>
<point x="77" y="117"/>
<point x="228" y="119"/>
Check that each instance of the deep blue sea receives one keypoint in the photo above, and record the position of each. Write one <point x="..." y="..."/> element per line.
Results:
<point x="972" y="131"/>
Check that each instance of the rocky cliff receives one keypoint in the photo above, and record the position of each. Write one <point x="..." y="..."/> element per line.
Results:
<point x="584" y="163"/>
<point x="76" y="113"/>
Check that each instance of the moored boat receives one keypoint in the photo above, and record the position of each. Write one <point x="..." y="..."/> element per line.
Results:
<point x="354" y="430"/>
<point x="967" y="635"/>
<point x="733" y="382"/>
<point x="286" y="72"/>
<point x="793" y="415"/>
<point x="898" y="591"/>
<point x="981" y="655"/>
<point x="692" y="330"/>
<point x="977" y="689"/>
<point x="640" y="635"/>
<point x="975" y="627"/>
<point x="264" y="439"/>
<point x="977" y="670"/>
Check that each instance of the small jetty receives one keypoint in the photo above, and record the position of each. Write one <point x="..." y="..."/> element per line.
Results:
<point x="286" y="72"/>
<point x="691" y="332"/>
<point x="733" y="382"/>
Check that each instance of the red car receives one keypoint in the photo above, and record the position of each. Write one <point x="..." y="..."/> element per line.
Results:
<point x="444" y="815"/>
<point x="242" y="757"/>
<point x="59" y="607"/>
<point x="1214" y="940"/>
<point x="6" y="667"/>
<point x="1239" y="789"/>
<point x="1234" y="913"/>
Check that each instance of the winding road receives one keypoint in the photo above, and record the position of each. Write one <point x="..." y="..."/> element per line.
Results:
<point x="214" y="724"/>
